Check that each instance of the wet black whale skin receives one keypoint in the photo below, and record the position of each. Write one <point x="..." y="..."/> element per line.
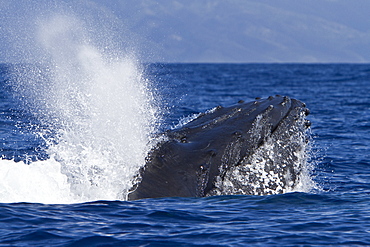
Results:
<point x="187" y="163"/>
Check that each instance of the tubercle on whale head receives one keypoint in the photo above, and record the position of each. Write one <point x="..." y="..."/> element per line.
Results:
<point x="192" y="158"/>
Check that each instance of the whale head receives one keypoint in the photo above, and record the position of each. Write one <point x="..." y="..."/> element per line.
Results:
<point x="253" y="148"/>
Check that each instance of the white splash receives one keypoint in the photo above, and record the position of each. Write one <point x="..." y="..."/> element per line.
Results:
<point x="97" y="117"/>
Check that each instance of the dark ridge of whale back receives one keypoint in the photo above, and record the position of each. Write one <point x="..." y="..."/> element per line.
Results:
<point x="188" y="162"/>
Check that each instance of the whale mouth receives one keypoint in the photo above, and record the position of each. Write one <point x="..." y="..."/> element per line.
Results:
<point x="254" y="148"/>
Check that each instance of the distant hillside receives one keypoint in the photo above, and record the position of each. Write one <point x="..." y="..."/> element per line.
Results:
<point x="250" y="30"/>
<point x="241" y="30"/>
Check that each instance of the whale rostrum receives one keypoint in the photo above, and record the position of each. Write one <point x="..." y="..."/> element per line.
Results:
<point x="254" y="148"/>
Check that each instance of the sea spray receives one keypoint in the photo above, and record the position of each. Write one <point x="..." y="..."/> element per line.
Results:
<point x="95" y="112"/>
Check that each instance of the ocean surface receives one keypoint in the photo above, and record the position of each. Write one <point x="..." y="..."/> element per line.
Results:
<point x="63" y="174"/>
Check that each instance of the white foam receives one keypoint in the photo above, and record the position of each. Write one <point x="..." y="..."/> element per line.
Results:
<point x="41" y="182"/>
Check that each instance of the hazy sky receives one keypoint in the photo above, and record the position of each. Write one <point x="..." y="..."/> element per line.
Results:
<point x="216" y="30"/>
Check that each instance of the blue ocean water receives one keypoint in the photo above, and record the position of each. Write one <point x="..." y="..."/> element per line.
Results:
<point x="335" y="212"/>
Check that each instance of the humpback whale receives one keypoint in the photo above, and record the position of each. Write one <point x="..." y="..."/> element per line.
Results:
<point x="251" y="148"/>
